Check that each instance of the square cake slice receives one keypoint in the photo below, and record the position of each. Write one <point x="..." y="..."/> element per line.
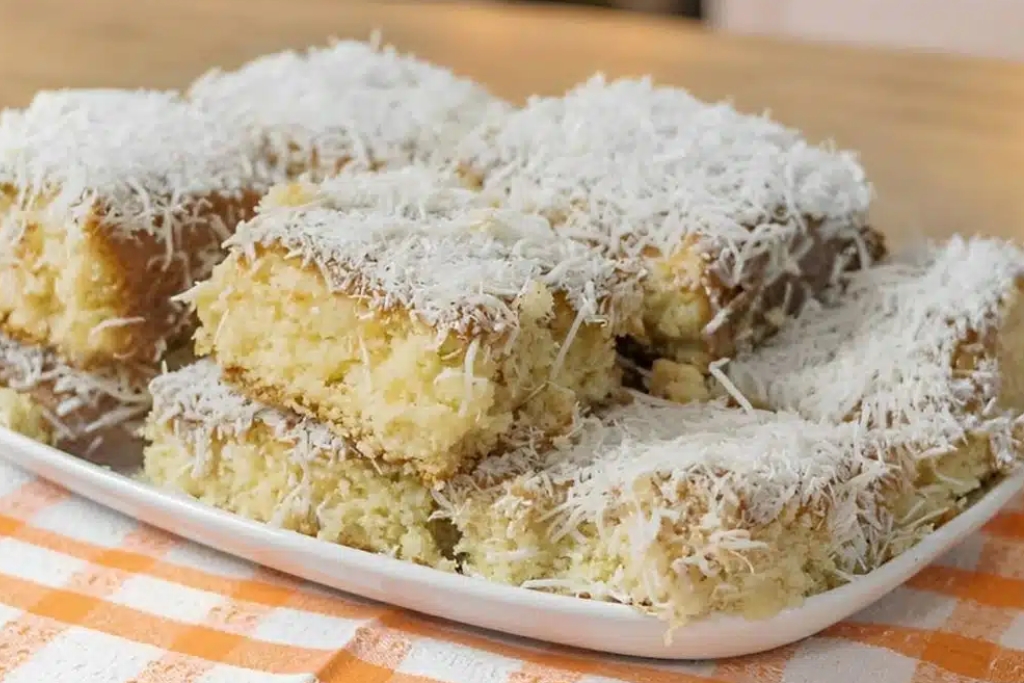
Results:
<point x="927" y="346"/>
<point x="738" y="220"/>
<point x="418" y="322"/>
<point x="356" y="105"/>
<point x="687" y="510"/>
<point x="854" y="433"/>
<point x="212" y="442"/>
<point x="111" y="202"/>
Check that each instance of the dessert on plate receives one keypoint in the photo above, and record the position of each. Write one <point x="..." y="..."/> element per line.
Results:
<point x="415" y="307"/>
<point x="729" y="505"/>
<point x="869" y="422"/>
<point x="737" y="219"/>
<point x="112" y="202"/>
<point x="417" y="321"/>
<point x="213" y="442"/>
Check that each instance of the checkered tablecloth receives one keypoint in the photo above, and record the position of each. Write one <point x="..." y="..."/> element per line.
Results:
<point x="90" y="596"/>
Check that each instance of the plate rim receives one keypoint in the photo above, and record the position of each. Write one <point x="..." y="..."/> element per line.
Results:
<point x="83" y="478"/>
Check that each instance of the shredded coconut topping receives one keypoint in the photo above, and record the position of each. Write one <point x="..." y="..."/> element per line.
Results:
<point x="79" y="402"/>
<point x="885" y="354"/>
<point x="202" y="408"/>
<point x="145" y="159"/>
<point x="402" y="240"/>
<point x="653" y="470"/>
<point x="353" y="103"/>
<point x="414" y="192"/>
<point x="764" y="459"/>
<point x="632" y="166"/>
<point x="860" y="391"/>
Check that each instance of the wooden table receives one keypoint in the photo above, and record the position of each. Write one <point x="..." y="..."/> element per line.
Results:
<point x="942" y="137"/>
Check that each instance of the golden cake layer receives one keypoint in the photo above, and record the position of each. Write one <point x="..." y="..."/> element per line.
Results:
<point x="212" y="442"/>
<point x="111" y="202"/>
<point x="418" y="322"/>
<point x="687" y="510"/>
<point x="681" y="510"/>
<point x="114" y="201"/>
<point x="737" y="219"/>
<point x="884" y="413"/>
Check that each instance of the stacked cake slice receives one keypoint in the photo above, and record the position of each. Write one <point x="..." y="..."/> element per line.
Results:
<point x="415" y="320"/>
<point x="619" y="344"/>
<point x="738" y="220"/>
<point x="113" y="202"/>
<point x="423" y="363"/>
<point x="876" y="418"/>
<point x="400" y="330"/>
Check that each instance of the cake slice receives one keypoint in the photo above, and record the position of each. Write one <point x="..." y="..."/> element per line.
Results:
<point x="679" y="510"/>
<point x="928" y="346"/>
<point x="210" y="441"/>
<point x="355" y="105"/>
<point x="687" y="510"/>
<point x="78" y="411"/>
<point x="111" y="202"/>
<point x="418" y="322"/>
<point x="738" y="220"/>
<point x="891" y="410"/>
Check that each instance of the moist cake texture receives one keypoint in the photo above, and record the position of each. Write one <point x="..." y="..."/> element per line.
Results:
<point x="415" y="337"/>
<point x="737" y="219"/>
<point x="812" y="460"/>
<point x="417" y="321"/>
<point x="114" y="201"/>
<point x="880" y="414"/>
<point x="111" y="202"/>
<point x="209" y="440"/>
<point x="355" y="105"/>
<point x="685" y="510"/>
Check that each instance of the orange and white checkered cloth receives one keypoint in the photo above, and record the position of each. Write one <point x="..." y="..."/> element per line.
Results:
<point x="90" y="596"/>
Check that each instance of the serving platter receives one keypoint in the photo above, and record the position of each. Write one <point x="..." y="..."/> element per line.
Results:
<point x="606" y="627"/>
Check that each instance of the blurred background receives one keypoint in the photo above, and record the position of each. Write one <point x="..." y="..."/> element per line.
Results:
<point x="984" y="28"/>
<point x="688" y="8"/>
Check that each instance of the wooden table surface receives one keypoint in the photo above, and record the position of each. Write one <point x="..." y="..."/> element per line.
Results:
<point x="942" y="137"/>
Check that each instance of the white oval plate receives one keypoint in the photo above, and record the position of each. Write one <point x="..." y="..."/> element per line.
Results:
<point x="600" y="626"/>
